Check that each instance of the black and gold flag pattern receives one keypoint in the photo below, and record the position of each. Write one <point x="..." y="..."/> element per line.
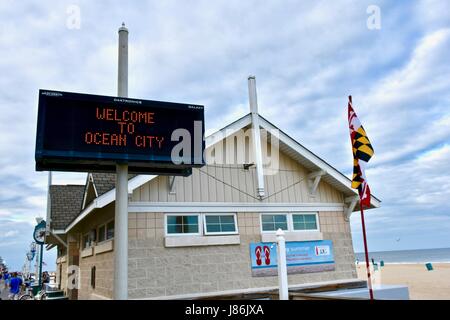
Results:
<point x="357" y="178"/>
<point x="362" y="148"/>
<point x="362" y="153"/>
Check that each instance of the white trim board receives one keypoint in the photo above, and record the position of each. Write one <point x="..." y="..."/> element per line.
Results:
<point x="249" y="291"/>
<point x="229" y="130"/>
<point x="227" y="207"/>
<point x="109" y="197"/>
<point x="89" y="181"/>
<point x="197" y="241"/>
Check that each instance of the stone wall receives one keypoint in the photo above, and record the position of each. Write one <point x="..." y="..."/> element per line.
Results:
<point x="104" y="262"/>
<point x="61" y="271"/>
<point x="104" y="276"/>
<point x="157" y="271"/>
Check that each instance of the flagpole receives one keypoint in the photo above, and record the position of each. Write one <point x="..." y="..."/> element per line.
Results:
<point x="359" y="178"/>
<point x="366" y="250"/>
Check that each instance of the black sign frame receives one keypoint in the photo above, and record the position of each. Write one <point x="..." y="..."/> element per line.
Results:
<point x="63" y="152"/>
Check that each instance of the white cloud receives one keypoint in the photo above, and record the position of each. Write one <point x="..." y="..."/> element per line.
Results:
<point x="307" y="57"/>
<point x="10" y="234"/>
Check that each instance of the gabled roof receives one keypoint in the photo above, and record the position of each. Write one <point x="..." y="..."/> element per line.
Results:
<point x="65" y="204"/>
<point x="288" y="145"/>
<point x="101" y="183"/>
<point x="105" y="182"/>
<point x="313" y="162"/>
<point x="296" y="151"/>
<point x="135" y="181"/>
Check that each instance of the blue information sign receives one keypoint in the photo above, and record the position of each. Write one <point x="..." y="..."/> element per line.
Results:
<point x="301" y="257"/>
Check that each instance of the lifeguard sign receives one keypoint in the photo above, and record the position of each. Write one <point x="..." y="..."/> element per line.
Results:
<point x="80" y="132"/>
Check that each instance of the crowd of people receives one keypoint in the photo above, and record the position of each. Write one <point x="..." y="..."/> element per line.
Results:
<point x="17" y="283"/>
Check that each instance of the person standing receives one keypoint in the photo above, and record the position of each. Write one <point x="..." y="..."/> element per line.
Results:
<point x="6" y="278"/>
<point x="1" y="283"/>
<point x="45" y="280"/>
<point x="14" y="286"/>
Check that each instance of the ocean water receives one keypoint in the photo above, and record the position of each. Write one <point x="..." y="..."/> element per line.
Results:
<point x="409" y="256"/>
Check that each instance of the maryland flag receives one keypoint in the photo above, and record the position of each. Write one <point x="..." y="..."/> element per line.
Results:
<point x="362" y="153"/>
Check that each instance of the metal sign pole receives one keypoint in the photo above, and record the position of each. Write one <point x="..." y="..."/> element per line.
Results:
<point x="282" y="267"/>
<point x="48" y="220"/>
<point x="41" y="251"/>
<point x="121" y="212"/>
<point x="38" y="252"/>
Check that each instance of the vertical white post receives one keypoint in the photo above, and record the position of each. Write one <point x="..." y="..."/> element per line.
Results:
<point x="256" y="135"/>
<point x="122" y="80"/>
<point x="121" y="213"/>
<point x="36" y="269"/>
<point x="48" y="220"/>
<point x="282" y="268"/>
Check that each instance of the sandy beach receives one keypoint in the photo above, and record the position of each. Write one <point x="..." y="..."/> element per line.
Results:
<point x="423" y="284"/>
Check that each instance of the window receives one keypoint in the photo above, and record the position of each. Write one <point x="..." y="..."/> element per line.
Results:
<point x="290" y="222"/>
<point x="201" y="224"/>
<point x="220" y="224"/>
<point x="110" y="230"/>
<point x="93" y="270"/>
<point x="62" y="252"/>
<point x="102" y="233"/>
<point x="182" y="224"/>
<point x="273" y="222"/>
<point x="89" y="239"/>
<point x="85" y="241"/>
<point x="106" y="232"/>
<point x="304" y="222"/>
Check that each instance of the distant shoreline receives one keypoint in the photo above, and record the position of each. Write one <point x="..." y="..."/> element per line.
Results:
<point x="402" y="250"/>
<point x="419" y="256"/>
<point x="411" y="263"/>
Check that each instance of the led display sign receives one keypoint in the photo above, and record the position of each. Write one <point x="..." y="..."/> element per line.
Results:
<point x="81" y="133"/>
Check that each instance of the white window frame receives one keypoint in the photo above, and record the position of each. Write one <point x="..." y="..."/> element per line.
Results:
<point x="98" y="233"/>
<point x="274" y="214"/>
<point x="91" y="243"/>
<point x="106" y="231"/>
<point x="315" y="214"/>
<point x="200" y="224"/>
<point x="290" y="221"/>
<point x="206" y="233"/>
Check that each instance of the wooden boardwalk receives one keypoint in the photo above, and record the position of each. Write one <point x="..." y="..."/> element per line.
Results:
<point x="309" y="293"/>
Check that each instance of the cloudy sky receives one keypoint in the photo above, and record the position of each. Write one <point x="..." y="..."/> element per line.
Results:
<point x="307" y="56"/>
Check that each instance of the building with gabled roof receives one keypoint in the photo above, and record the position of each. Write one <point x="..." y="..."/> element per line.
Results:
<point x="193" y="236"/>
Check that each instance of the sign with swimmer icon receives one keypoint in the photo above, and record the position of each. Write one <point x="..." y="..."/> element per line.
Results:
<point x="301" y="257"/>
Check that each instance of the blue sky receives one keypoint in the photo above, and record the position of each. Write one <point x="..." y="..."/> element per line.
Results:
<point x="307" y="56"/>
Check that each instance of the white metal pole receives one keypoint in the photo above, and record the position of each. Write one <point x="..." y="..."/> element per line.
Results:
<point x="282" y="268"/>
<point x="36" y="272"/>
<point x="48" y="220"/>
<point x="256" y="135"/>
<point x="29" y="268"/>
<point x="121" y="213"/>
